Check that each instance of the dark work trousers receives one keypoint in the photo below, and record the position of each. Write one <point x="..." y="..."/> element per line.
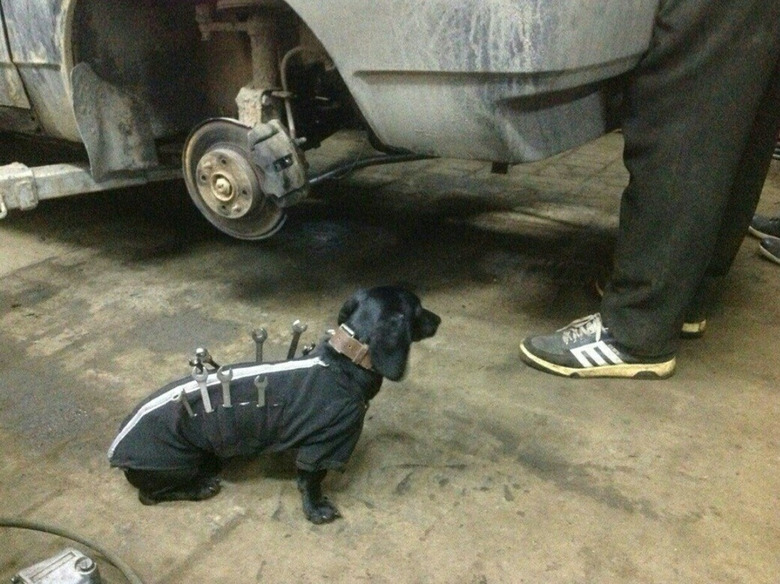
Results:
<point x="700" y="119"/>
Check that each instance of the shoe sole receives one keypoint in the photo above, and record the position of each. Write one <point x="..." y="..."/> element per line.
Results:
<point x="693" y="330"/>
<point x="626" y="370"/>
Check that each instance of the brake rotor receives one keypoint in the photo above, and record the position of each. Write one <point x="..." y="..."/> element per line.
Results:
<point x="224" y="183"/>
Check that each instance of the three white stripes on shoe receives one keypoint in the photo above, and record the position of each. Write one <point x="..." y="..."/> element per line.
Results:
<point x="596" y="354"/>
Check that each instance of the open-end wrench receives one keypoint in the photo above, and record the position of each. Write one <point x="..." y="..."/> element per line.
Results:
<point x="224" y="376"/>
<point x="298" y="329"/>
<point x="201" y="375"/>
<point x="261" y="383"/>
<point x="185" y="402"/>
<point x="259" y="336"/>
<point x="202" y="355"/>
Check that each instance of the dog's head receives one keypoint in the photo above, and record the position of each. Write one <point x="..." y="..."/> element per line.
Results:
<point x="388" y="319"/>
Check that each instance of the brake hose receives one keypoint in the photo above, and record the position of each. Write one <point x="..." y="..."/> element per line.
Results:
<point x="347" y="167"/>
<point x="112" y="559"/>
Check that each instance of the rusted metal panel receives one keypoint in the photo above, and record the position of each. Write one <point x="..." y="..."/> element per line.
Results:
<point x="39" y="42"/>
<point x="114" y="127"/>
<point x="11" y="89"/>
<point x="22" y="187"/>
<point x="150" y="50"/>
<point x="493" y="79"/>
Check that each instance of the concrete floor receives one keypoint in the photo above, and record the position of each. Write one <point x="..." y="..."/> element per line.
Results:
<point x="474" y="469"/>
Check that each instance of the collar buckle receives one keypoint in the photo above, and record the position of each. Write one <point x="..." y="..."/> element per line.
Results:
<point x="345" y="343"/>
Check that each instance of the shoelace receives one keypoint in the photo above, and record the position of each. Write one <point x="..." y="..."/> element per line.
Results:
<point x="588" y="325"/>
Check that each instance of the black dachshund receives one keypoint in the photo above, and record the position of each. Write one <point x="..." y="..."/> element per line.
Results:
<point x="171" y="446"/>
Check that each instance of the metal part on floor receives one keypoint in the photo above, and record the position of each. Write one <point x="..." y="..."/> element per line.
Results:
<point x="68" y="567"/>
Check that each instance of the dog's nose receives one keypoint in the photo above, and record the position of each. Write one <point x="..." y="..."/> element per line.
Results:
<point x="427" y="324"/>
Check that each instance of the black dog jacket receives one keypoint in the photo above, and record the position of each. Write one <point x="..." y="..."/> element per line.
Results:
<point x="305" y="405"/>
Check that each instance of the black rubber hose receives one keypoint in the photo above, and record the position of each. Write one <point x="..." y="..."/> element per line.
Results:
<point x="112" y="559"/>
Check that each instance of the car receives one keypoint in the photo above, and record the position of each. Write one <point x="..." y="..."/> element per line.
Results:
<point x="231" y="95"/>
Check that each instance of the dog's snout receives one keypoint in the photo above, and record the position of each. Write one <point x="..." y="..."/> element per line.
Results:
<point x="426" y="324"/>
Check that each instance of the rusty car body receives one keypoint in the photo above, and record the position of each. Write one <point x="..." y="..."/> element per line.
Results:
<point x="232" y="94"/>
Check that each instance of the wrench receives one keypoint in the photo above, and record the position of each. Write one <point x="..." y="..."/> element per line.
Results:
<point x="185" y="402"/>
<point x="202" y="355"/>
<point x="297" y="330"/>
<point x="224" y="376"/>
<point x="261" y="383"/>
<point x="201" y="375"/>
<point x="259" y="336"/>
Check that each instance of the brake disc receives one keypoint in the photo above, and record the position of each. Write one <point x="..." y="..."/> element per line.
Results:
<point x="224" y="183"/>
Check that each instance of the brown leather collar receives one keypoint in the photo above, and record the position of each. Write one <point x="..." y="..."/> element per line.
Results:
<point x="344" y="342"/>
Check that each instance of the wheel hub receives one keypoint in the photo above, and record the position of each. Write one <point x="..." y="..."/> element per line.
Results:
<point x="224" y="183"/>
<point x="227" y="183"/>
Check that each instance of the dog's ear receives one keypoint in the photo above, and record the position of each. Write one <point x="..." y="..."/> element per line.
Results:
<point x="389" y="346"/>
<point x="425" y="324"/>
<point x="350" y="306"/>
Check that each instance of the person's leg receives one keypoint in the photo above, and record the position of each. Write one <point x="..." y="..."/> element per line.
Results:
<point x="690" y="109"/>
<point x="743" y="198"/>
<point x="690" y="106"/>
<point x="740" y="210"/>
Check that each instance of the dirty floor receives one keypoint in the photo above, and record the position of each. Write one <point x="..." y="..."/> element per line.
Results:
<point x="474" y="469"/>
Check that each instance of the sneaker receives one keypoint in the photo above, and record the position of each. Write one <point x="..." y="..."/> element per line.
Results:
<point x="695" y="318"/>
<point x="585" y="348"/>
<point x="762" y="226"/>
<point x="692" y="328"/>
<point x="770" y="248"/>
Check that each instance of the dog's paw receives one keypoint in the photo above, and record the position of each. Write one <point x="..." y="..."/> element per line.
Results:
<point x="205" y="489"/>
<point x="321" y="512"/>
